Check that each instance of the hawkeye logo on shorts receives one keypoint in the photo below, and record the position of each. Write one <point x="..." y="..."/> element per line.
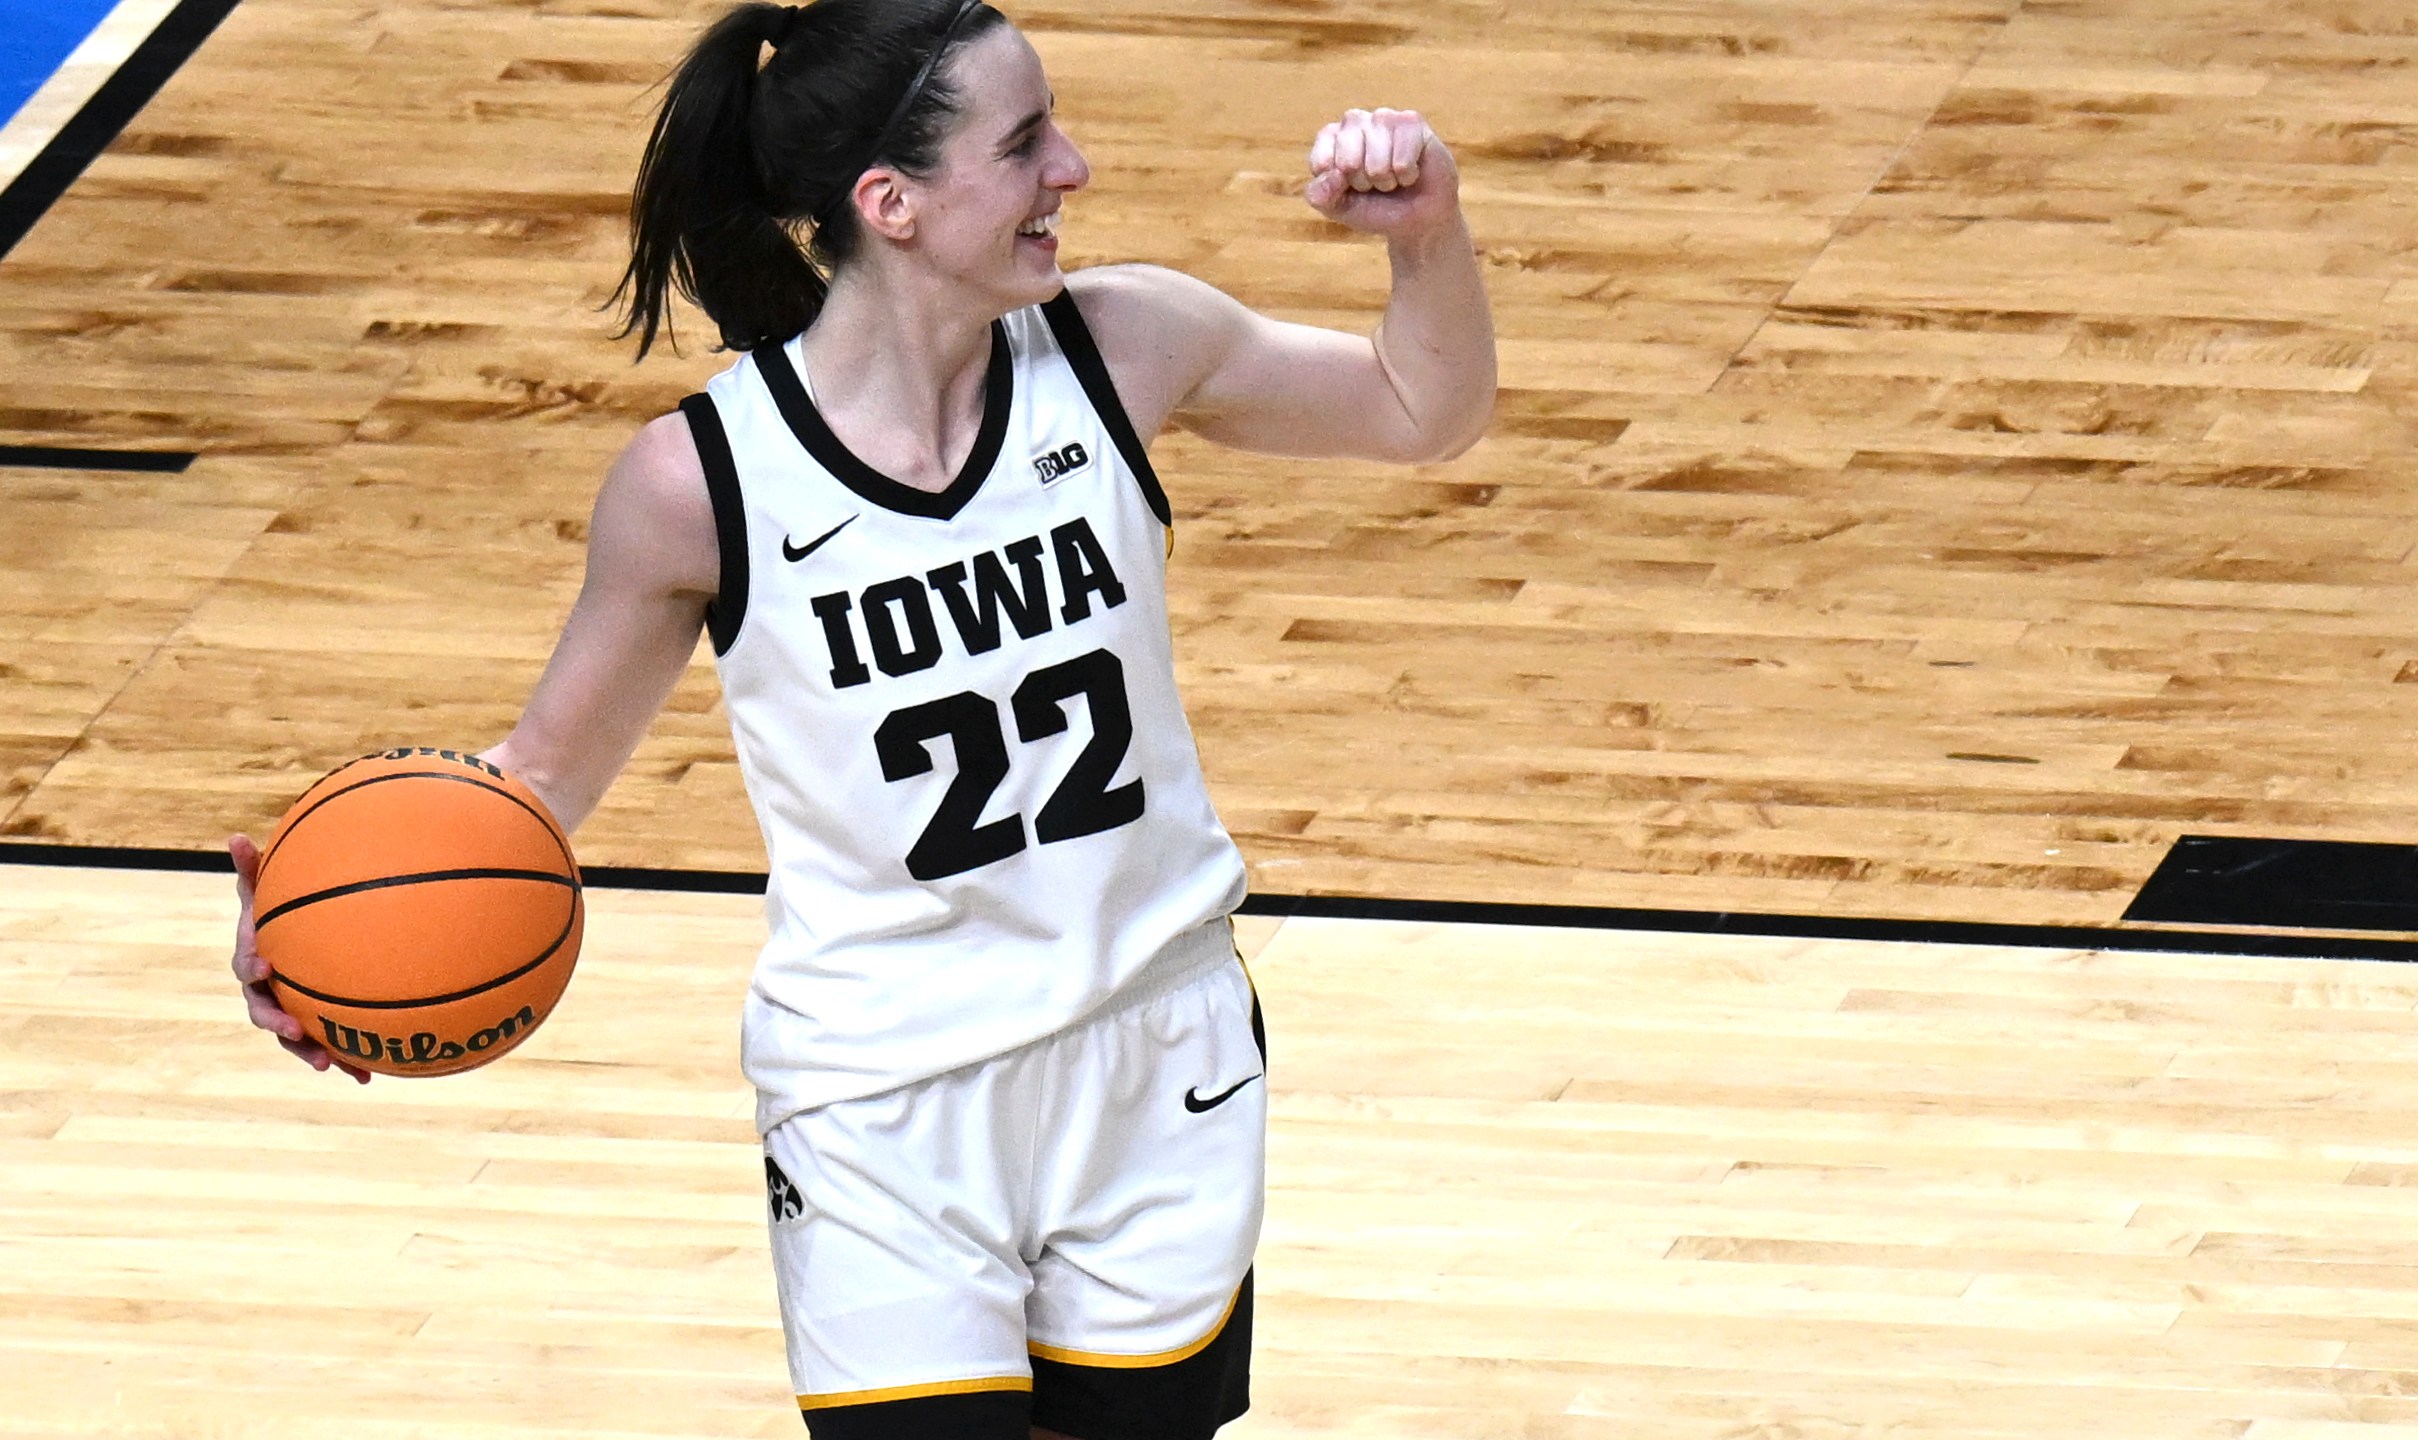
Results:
<point x="787" y="1203"/>
<point x="1061" y="462"/>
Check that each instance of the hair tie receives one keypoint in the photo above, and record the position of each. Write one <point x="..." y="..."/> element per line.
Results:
<point x="822" y="214"/>
<point x="923" y="77"/>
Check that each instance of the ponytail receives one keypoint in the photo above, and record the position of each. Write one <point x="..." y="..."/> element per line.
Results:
<point x="699" y="217"/>
<point x="742" y="200"/>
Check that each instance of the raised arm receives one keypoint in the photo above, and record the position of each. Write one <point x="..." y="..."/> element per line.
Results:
<point x="652" y="565"/>
<point x="1421" y="388"/>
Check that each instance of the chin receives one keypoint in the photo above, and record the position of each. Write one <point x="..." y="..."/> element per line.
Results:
<point x="1034" y="287"/>
<point x="1022" y="279"/>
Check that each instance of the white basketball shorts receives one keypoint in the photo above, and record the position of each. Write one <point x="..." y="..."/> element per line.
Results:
<point x="1059" y="1236"/>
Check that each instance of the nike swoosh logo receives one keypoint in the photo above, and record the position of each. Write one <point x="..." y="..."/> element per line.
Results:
<point x="1194" y="1103"/>
<point x="794" y="553"/>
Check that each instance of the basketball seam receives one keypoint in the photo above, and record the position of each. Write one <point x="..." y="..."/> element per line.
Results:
<point x="388" y="882"/>
<point x="553" y="832"/>
<point x="480" y="989"/>
<point x="277" y="842"/>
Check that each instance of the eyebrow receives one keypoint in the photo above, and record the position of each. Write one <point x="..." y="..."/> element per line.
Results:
<point x="1027" y="123"/>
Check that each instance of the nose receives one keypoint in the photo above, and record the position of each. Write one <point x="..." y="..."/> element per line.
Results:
<point x="1067" y="169"/>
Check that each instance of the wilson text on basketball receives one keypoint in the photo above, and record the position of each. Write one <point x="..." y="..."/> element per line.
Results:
<point x="422" y="1047"/>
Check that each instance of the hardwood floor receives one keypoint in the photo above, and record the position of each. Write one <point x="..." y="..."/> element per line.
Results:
<point x="1945" y="452"/>
<point x="1522" y="1182"/>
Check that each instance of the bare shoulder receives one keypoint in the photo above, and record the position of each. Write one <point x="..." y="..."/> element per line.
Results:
<point x="1152" y="287"/>
<point x="1144" y="309"/>
<point x="662" y="458"/>
<point x="1160" y="331"/>
<point x="654" y="514"/>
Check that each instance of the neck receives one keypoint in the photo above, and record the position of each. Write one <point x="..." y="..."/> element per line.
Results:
<point x="901" y="356"/>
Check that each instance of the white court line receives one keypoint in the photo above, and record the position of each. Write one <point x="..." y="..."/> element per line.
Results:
<point x="84" y="71"/>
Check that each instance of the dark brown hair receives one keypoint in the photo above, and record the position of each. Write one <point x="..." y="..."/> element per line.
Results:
<point x="742" y="200"/>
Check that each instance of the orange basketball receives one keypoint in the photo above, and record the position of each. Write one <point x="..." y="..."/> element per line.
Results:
<point x="421" y="911"/>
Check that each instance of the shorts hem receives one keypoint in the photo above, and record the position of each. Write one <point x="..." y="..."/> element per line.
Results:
<point x="1097" y="1360"/>
<point x="977" y="1385"/>
<point x="1186" y="1399"/>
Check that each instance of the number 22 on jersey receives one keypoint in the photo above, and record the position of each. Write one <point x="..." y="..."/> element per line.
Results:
<point x="956" y="840"/>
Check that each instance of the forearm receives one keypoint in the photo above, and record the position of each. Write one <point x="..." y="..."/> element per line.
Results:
<point x="610" y="675"/>
<point x="1436" y="342"/>
<point x="570" y="796"/>
<point x="652" y="565"/>
<point x="583" y="724"/>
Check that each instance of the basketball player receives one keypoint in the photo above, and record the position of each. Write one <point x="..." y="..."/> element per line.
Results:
<point x="1009" y="1069"/>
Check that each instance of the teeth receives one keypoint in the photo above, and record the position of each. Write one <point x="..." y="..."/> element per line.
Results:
<point x="1046" y="225"/>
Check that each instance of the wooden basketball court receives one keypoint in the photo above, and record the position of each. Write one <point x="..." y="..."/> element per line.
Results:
<point x="1947" y="454"/>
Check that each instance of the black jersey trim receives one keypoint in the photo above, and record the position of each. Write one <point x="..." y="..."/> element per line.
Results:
<point x="1083" y="353"/>
<point x="728" y="609"/>
<point x="807" y="423"/>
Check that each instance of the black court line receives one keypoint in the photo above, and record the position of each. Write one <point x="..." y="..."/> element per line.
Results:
<point x="2307" y="884"/>
<point x="121" y="97"/>
<point x="1463" y="912"/>
<point x="1834" y="927"/>
<point x="115" y="857"/>
<point x="694" y="882"/>
<point x="52" y="457"/>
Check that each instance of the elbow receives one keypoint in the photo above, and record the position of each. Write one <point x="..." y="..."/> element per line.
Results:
<point x="1436" y="444"/>
<point x="1431" y="447"/>
<point x="1458" y="445"/>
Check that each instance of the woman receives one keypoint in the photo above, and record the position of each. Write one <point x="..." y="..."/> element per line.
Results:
<point x="1007" y="1061"/>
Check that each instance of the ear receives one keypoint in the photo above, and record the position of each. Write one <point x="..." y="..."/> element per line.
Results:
<point x="886" y="205"/>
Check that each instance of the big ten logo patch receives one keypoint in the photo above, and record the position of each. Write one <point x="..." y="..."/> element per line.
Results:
<point x="1061" y="462"/>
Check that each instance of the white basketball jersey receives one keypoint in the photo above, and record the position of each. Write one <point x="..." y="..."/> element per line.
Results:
<point x="957" y="717"/>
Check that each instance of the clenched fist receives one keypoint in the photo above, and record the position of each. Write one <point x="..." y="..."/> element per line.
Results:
<point x="1384" y="172"/>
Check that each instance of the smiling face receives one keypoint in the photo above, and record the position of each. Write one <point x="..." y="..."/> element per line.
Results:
<point x="987" y="217"/>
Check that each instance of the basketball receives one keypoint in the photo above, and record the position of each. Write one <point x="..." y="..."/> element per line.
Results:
<point x="421" y="910"/>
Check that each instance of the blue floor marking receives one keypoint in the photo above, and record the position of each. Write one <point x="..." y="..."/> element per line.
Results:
<point x="35" y="36"/>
